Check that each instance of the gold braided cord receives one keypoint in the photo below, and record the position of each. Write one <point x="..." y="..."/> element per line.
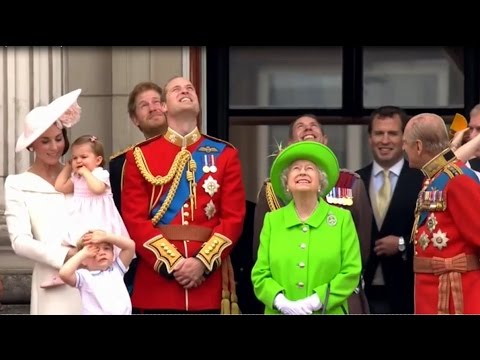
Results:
<point x="183" y="158"/>
<point x="168" y="200"/>
<point x="178" y="164"/>
<point x="272" y="200"/>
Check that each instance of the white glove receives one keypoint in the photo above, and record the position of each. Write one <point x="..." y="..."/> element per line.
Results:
<point x="288" y="307"/>
<point x="312" y="303"/>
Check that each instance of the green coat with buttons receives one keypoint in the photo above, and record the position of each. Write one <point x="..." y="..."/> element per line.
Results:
<point x="300" y="259"/>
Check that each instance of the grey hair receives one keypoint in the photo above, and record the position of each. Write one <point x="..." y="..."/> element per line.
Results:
<point x="431" y="130"/>
<point x="322" y="176"/>
<point x="475" y="110"/>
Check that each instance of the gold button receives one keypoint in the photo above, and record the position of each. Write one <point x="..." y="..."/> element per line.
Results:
<point x="185" y="205"/>
<point x="186" y="213"/>
<point x="185" y="222"/>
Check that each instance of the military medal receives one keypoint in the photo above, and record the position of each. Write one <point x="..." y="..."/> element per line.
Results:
<point x="349" y="198"/>
<point x="334" y="196"/>
<point x="206" y="168"/>
<point x="209" y="168"/>
<point x="341" y="196"/>
<point x="213" y="168"/>
<point x="424" y="240"/>
<point x="211" y="186"/>
<point x="440" y="239"/>
<point x="432" y="222"/>
<point x="210" y="210"/>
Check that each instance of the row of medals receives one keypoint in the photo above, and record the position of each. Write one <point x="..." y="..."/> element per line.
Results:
<point x="209" y="168"/>
<point x="340" y="196"/>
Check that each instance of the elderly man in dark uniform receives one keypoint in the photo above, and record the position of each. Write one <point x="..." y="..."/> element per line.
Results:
<point x="349" y="192"/>
<point x="144" y="109"/>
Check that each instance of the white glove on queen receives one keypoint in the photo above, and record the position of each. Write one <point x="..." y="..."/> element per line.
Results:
<point x="300" y="307"/>
<point x="313" y="302"/>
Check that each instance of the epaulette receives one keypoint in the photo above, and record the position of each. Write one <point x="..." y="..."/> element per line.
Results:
<point x="220" y="140"/>
<point x="350" y="172"/>
<point x="346" y="179"/>
<point x="121" y="152"/>
<point x="452" y="170"/>
<point x="147" y="141"/>
<point x="140" y="143"/>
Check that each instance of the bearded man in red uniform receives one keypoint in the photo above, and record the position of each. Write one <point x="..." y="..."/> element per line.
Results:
<point x="183" y="202"/>
<point x="446" y="231"/>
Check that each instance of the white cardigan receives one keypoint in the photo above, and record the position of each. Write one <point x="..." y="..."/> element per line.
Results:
<point x="37" y="220"/>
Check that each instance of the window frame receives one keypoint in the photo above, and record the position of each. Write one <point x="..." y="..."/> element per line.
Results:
<point x="352" y="111"/>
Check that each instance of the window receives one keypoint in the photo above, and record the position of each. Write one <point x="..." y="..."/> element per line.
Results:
<point x="265" y="88"/>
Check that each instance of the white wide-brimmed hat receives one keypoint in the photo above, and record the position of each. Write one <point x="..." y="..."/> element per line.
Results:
<point x="63" y="110"/>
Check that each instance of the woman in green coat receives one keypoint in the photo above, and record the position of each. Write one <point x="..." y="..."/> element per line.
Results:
<point x="309" y="255"/>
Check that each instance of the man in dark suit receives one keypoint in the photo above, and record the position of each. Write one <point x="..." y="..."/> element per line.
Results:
<point x="144" y="109"/>
<point x="393" y="188"/>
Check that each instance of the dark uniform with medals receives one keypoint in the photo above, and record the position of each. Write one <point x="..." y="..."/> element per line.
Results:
<point x="446" y="236"/>
<point x="349" y="193"/>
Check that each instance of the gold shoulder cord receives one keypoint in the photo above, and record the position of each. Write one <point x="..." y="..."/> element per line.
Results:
<point x="272" y="200"/>
<point x="175" y="173"/>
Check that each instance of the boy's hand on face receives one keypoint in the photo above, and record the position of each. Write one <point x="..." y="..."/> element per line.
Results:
<point x="95" y="237"/>
<point x="90" y="250"/>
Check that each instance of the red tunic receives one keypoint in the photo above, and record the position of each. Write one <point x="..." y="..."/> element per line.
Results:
<point x="447" y="234"/>
<point x="222" y="211"/>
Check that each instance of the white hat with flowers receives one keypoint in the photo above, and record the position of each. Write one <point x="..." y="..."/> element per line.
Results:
<point x="64" y="111"/>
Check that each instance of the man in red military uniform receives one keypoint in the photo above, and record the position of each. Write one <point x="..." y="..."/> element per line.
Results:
<point x="445" y="233"/>
<point x="183" y="203"/>
<point x="349" y="192"/>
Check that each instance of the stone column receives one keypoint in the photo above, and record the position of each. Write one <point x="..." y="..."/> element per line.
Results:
<point x="29" y="76"/>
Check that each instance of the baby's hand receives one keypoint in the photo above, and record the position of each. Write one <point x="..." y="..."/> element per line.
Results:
<point x="82" y="170"/>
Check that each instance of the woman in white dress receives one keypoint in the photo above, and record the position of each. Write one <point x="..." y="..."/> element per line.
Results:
<point x="36" y="214"/>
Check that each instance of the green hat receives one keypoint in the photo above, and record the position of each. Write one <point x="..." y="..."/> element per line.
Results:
<point x="313" y="151"/>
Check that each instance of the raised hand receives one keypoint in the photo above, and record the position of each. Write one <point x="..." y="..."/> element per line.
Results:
<point x="90" y="250"/>
<point x="94" y="237"/>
